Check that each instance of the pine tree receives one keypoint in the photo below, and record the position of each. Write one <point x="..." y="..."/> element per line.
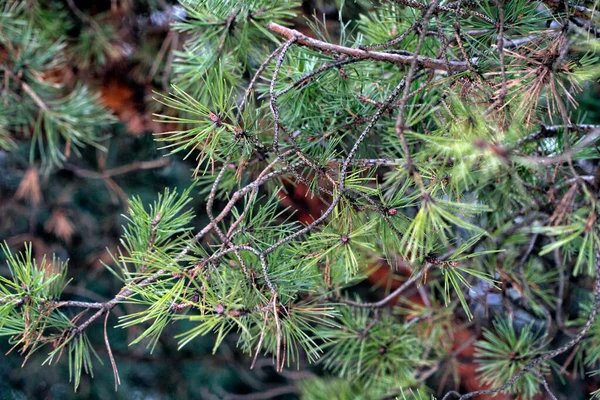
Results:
<point x="441" y="136"/>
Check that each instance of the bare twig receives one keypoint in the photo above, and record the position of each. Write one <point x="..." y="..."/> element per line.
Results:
<point x="568" y="154"/>
<point x="400" y="119"/>
<point x="124" y="169"/>
<point x="537" y="361"/>
<point x="110" y="356"/>
<point x="383" y="302"/>
<point x="444" y="9"/>
<point x="425" y="62"/>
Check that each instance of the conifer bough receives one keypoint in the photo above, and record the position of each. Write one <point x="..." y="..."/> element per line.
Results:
<point x="442" y="139"/>
<point x="424" y="62"/>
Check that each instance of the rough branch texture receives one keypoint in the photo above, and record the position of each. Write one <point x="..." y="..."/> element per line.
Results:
<point x="425" y="62"/>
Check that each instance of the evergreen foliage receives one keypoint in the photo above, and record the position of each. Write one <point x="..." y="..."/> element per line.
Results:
<point x="36" y="105"/>
<point x="442" y="136"/>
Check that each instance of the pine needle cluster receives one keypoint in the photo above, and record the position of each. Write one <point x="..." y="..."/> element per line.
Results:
<point x="37" y="105"/>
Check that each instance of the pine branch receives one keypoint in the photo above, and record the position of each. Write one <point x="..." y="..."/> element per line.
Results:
<point x="432" y="172"/>
<point x="575" y="9"/>
<point x="393" y="295"/>
<point x="547" y="131"/>
<point x="128" y="291"/>
<point x="26" y="88"/>
<point x="455" y="9"/>
<point x="548" y="356"/>
<point x="124" y="169"/>
<point x="424" y="62"/>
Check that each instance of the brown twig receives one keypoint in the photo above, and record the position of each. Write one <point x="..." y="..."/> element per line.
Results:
<point x="124" y="169"/>
<point x="400" y="119"/>
<point x="110" y="356"/>
<point x="425" y="62"/>
<point x="537" y="361"/>
<point x="458" y="10"/>
<point x="383" y="302"/>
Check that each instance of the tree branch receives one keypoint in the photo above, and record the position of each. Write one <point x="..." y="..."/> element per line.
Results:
<point x="424" y="62"/>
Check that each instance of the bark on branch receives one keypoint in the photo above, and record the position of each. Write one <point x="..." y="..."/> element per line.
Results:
<point x="425" y="62"/>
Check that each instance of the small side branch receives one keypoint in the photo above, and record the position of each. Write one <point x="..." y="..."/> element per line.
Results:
<point x="529" y="368"/>
<point x="424" y="62"/>
<point x="383" y="302"/>
<point x="124" y="169"/>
